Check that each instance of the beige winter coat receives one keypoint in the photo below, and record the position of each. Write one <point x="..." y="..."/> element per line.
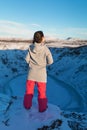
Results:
<point x="38" y="57"/>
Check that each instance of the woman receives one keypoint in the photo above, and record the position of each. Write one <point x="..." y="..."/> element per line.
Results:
<point x="38" y="57"/>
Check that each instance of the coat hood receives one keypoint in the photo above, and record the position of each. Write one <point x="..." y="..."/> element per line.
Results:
<point x="36" y="47"/>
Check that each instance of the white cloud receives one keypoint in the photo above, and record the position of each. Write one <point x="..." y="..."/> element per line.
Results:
<point x="71" y="32"/>
<point x="14" y="29"/>
<point x="10" y="22"/>
<point x="77" y="31"/>
<point x="36" y="25"/>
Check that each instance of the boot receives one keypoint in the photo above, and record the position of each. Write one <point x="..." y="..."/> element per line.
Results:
<point x="28" y="101"/>
<point x="42" y="102"/>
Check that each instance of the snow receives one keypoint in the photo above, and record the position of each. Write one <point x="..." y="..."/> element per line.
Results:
<point x="19" y="118"/>
<point x="4" y="102"/>
<point x="66" y="87"/>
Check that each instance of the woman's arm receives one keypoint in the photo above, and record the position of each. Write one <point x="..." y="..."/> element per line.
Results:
<point x="27" y="58"/>
<point x="49" y="57"/>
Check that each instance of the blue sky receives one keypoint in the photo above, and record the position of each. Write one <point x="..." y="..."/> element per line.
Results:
<point x="57" y="18"/>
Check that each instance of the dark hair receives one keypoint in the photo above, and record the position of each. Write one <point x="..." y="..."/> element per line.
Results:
<point x="38" y="37"/>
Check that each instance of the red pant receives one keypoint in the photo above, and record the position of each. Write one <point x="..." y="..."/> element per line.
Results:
<point x="42" y="99"/>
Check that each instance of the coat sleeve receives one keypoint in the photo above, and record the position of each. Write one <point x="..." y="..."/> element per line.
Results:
<point x="49" y="58"/>
<point x="27" y="58"/>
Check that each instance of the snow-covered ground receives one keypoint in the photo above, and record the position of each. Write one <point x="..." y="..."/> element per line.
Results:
<point x="66" y="87"/>
<point x="18" y="118"/>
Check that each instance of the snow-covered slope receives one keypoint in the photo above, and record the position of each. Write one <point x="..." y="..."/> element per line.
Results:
<point x="70" y="66"/>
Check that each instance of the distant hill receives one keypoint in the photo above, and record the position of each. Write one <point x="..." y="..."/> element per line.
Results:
<point x="15" y="40"/>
